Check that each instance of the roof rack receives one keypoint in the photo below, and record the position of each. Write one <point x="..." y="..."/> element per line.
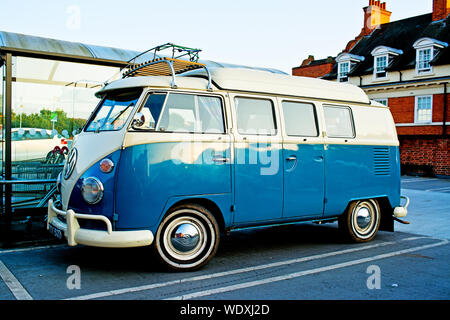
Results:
<point x="165" y="66"/>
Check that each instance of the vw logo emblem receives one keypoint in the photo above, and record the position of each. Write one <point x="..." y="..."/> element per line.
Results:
<point x="71" y="162"/>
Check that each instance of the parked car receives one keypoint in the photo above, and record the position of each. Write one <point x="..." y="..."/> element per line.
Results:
<point x="33" y="144"/>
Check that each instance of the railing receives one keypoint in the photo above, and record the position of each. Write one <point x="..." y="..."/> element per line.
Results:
<point x="165" y="66"/>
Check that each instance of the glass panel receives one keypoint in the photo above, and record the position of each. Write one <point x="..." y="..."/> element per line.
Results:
<point x="424" y="59"/>
<point x="299" y="119"/>
<point x="179" y="114"/>
<point x="60" y="72"/>
<point x="255" y="116"/>
<point x="381" y="63"/>
<point x="114" y="111"/>
<point x="382" y="101"/>
<point x="152" y="109"/>
<point x="424" y="109"/>
<point x="211" y="114"/>
<point x="191" y="113"/>
<point x="344" y="69"/>
<point x="339" y="122"/>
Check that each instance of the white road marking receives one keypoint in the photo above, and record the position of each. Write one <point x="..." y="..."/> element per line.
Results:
<point x="303" y="273"/>
<point x="418" y="180"/>
<point x="438" y="189"/>
<point x="13" y="284"/>
<point x="232" y="272"/>
<point x="32" y="249"/>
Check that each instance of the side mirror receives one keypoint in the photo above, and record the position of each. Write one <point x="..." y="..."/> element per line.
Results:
<point x="138" y="120"/>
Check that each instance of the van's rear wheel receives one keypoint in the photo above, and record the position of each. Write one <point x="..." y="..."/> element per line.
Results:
<point x="361" y="220"/>
<point x="187" y="238"/>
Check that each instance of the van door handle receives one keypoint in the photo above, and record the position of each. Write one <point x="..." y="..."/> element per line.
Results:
<point x="221" y="160"/>
<point x="318" y="159"/>
<point x="293" y="158"/>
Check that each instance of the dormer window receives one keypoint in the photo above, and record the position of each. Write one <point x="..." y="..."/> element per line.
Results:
<point x="344" y="69"/>
<point x="426" y="50"/>
<point x="346" y="63"/>
<point x="381" y="63"/>
<point x="382" y="57"/>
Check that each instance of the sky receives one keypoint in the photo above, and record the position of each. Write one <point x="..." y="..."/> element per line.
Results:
<point x="277" y="34"/>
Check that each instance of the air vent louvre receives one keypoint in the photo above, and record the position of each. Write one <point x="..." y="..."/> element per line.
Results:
<point x="381" y="161"/>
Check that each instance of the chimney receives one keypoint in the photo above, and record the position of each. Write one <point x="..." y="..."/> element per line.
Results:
<point x="307" y="61"/>
<point x="441" y="9"/>
<point x="374" y="15"/>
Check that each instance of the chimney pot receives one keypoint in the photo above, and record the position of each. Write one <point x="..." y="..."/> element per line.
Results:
<point x="441" y="9"/>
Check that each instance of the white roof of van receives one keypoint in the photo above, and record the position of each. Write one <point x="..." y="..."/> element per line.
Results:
<point x="245" y="80"/>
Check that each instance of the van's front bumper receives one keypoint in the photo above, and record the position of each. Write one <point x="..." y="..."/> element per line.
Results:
<point x="108" y="239"/>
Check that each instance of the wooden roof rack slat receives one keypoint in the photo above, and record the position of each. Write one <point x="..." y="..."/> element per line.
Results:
<point x="164" y="66"/>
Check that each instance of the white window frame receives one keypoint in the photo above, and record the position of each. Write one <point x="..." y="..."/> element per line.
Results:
<point x="384" y="101"/>
<point x="375" y="66"/>
<point x="416" y="110"/>
<point x="340" y="76"/>
<point x="421" y="71"/>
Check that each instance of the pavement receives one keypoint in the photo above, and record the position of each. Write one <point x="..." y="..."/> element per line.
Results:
<point x="429" y="209"/>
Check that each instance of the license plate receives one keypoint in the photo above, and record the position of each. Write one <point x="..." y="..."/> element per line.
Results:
<point x="56" y="232"/>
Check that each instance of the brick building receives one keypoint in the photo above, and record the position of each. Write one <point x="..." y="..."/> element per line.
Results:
<point x="404" y="64"/>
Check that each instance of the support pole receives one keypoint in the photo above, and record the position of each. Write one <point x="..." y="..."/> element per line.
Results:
<point x="7" y="145"/>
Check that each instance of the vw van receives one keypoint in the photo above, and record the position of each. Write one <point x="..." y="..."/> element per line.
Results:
<point x="173" y="160"/>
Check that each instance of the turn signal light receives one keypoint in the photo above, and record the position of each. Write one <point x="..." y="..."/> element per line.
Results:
<point x="106" y="166"/>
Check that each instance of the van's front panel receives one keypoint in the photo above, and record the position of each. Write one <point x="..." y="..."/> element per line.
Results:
<point x="105" y="206"/>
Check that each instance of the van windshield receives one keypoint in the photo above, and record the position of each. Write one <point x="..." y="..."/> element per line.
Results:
<point x="113" y="111"/>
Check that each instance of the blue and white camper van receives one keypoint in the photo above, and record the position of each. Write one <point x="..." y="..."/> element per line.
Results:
<point x="174" y="161"/>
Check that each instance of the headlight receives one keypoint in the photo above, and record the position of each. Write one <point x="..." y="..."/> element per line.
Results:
<point x="92" y="190"/>
<point x="58" y="182"/>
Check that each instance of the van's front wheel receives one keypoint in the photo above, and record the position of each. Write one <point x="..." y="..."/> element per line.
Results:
<point x="361" y="220"/>
<point x="187" y="238"/>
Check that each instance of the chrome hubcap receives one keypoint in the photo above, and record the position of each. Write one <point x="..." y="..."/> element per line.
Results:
<point x="185" y="237"/>
<point x="364" y="219"/>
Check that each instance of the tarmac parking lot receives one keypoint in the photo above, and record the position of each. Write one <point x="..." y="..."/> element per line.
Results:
<point x="295" y="262"/>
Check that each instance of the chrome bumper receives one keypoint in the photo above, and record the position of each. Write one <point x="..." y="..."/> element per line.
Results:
<point x="96" y="238"/>
<point x="402" y="211"/>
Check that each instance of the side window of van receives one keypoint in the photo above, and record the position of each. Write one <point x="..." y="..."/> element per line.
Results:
<point x="192" y="114"/>
<point x="255" y="116"/>
<point x="339" y="122"/>
<point x="152" y="109"/>
<point x="300" y="119"/>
